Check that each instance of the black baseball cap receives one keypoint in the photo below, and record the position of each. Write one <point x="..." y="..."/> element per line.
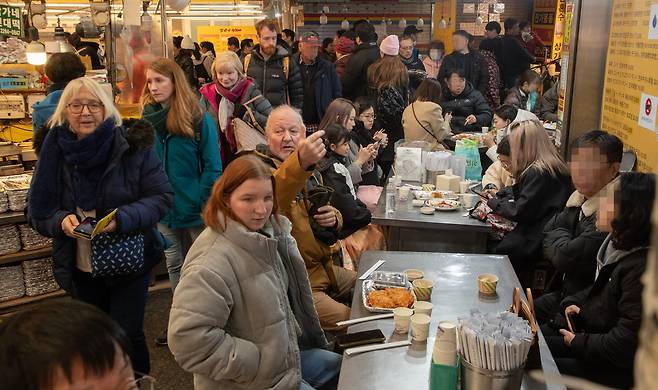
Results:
<point x="411" y="30"/>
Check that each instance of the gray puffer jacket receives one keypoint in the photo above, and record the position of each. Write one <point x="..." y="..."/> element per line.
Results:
<point x="232" y="324"/>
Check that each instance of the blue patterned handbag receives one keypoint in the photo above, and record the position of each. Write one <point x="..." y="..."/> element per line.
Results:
<point x="117" y="254"/>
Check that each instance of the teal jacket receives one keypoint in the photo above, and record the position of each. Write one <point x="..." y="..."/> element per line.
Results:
<point x="192" y="168"/>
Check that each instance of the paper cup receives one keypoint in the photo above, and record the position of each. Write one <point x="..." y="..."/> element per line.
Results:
<point x="487" y="283"/>
<point x="421" y="307"/>
<point x="402" y="318"/>
<point x="446" y="358"/>
<point x="463" y="186"/>
<point x="469" y="200"/>
<point x="446" y="337"/>
<point x="420" y="327"/>
<point x="423" y="289"/>
<point x="485" y="129"/>
<point x="413" y="274"/>
<point x="404" y="193"/>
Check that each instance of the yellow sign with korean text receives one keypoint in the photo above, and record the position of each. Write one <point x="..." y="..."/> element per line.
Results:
<point x="630" y="98"/>
<point x="219" y="35"/>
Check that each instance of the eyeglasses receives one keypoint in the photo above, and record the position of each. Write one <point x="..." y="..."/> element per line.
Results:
<point x="370" y="116"/>
<point x="93" y="107"/>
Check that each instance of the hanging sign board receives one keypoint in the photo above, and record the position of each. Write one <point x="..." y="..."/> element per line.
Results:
<point x="11" y="22"/>
<point x="219" y="35"/>
<point x="630" y="97"/>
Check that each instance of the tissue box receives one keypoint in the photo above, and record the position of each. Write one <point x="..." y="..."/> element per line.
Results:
<point x="448" y="182"/>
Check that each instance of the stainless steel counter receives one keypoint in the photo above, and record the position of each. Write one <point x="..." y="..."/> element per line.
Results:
<point x="455" y="293"/>
<point x="445" y="231"/>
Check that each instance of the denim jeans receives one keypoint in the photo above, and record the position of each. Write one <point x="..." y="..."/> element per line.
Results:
<point x="181" y="240"/>
<point x="124" y="301"/>
<point x="320" y="369"/>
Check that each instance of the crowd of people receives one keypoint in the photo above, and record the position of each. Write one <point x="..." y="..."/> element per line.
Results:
<point x="256" y="241"/>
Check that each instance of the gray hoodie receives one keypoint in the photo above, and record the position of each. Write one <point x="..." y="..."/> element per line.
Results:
<point x="231" y="323"/>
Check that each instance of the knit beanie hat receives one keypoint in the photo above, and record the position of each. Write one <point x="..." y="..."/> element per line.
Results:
<point x="390" y="45"/>
<point x="344" y="45"/>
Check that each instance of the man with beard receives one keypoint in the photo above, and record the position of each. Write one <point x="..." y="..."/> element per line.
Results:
<point x="270" y="66"/>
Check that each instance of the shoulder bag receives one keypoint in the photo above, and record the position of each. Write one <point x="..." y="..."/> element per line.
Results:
<point x="248" y="136"/>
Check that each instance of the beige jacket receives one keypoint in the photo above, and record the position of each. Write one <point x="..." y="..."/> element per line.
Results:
<point x="430" y="119"/>
<point x="497" y="175"/>
<point x="232" y="323"/>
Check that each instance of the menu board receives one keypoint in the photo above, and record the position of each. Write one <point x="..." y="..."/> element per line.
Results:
<point x="219" y="35"/>
<point x="11" y="21"/>
<point x="630" y="98"/>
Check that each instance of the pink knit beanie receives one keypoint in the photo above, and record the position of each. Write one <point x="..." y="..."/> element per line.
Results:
<point x="390" y="45"/>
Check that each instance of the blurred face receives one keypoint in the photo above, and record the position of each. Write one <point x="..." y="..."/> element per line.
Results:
<point x="252" y="203"/>
<point x="233" y="48"/>
<point x="368" y="118"/>
<point x="309" y="51"/>
<point x="406" y="48"/>
<point x="227" y="77"/>
<point x="84" y="113"/>
<point x="160" y="86"/>
<point x="342" y="148"/>
<point x="490" y="34"/>
<point x="121" y="377"/>
<point x="590" y="170"/>
<point x="267" y="41"/>
<point x="459" y="43"/>
<point x="456" y="84"/>
<point x="436" y="54"/>
<point x="532" y="87"/>
<point x="283" y="134"/>
<point x="514" y="30"/>
<point x="505" y="162"/>
<point x="351" y="120"/>
<point x="330" y="48"/>
<point x="202" y="50"/>
<point x="500" y="123"/>
<point x="607" y="211"/>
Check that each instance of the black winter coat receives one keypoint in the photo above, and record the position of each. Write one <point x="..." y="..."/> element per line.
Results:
<point x="474" y="67"/>
<point x="515" y="59"/>
<point x="355" y="213"/>
<point x="355" y="78"/>
<point x="469" y="102"/>
<point x="610" y="316"/>
<point x="389" y="106"/>
<point x="571" y="245"/>
<point x="531" y="202"/>
<point x="271" y="80"/>
<point x="133" y="182"/>
<point x="326" y="84"/>
<point x="363" y="138"/>
<point x="417" y="74"/>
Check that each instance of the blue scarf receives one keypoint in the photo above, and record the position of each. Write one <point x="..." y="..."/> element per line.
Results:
<point x="88" y="160"/>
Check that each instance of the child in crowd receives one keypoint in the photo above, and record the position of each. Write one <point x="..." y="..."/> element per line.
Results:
<point x="524" y="95"/>
<point x="363" y="136"/>
<point x="335" y="175"/>
<point x="601" y="336"/>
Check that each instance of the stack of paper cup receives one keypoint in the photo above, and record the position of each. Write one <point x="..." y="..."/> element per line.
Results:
<point x="445" y="346"/>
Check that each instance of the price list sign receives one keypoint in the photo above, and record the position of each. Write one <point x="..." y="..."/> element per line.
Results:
<point x="11" y="21"/>
<point x="630" y="98"/>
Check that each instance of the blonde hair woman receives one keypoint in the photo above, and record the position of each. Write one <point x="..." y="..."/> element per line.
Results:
<point x="187" y="144"/>
<point x="91" y="163"/>
<point x="228" y="95"/>
<point x="541" y="190"/>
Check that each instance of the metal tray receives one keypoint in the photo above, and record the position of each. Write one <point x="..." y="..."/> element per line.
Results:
<point x="369" y="285"/>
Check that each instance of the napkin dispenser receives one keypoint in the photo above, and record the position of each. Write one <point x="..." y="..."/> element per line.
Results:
<point x="448" y="182"/>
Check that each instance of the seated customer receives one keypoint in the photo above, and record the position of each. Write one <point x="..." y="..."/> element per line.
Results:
<point x="292" y="158"/>
<point x="607" y="315"/>
<point x="503" y="118"/>
<point x="363" y="136"/>
<point x="524" y="95"/>
<point x="64" y="345"/>
<point x="423" y="119"/>
<point x="541" y="189"/>
<point x="60" y="69"/>
<point x="498" y="174"/>
<point x="571" y="239"/>
<point x="335" y="175"/>
<point x="470" y="112"/>
<point x="549" y="103"/>
<point x="242" y="315"/>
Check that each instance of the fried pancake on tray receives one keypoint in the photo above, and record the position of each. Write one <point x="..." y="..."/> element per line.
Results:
<point x="390" y="298"/>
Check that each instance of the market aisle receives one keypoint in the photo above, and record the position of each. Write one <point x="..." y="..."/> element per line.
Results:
<point x="164" y="369"/>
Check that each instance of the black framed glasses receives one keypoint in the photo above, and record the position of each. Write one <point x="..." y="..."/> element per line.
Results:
<point x="93" y="107"/>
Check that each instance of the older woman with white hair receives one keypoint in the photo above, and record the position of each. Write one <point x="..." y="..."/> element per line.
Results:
<point x="91" y="164"/>
<point x="229" y="95"/>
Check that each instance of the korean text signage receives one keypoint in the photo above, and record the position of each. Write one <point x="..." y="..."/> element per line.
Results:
<point x="548" y="19"/>
<point x="630" y="98"/>
<point x="219" y="35"/>
<point x="11" y="21"/>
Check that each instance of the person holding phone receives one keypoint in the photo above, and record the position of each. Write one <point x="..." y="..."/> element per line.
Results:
<point x="293" y="157"/>
<point x="605" y="318"/>
<point x="362" y="135"/>
<point x="91" y="163"/>
<point x="242" y="316"/>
